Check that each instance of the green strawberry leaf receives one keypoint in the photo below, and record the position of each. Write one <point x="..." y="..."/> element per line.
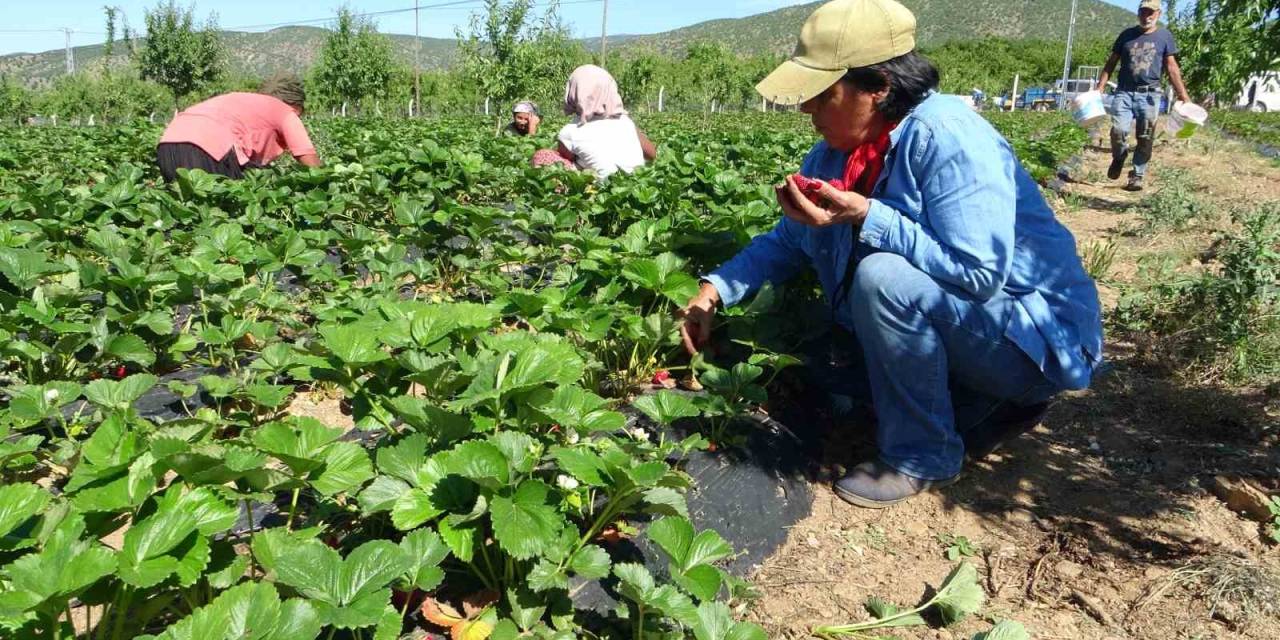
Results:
<point x="19" y="503"/>
<point x="1005" y="630"/>
<point x="299" y="442"/>
<point x="581" y="463"/>
<point x="356" y="345"/>
<point x="425" y="550"/>
<point x="130" y="348"/>
<point x="665" y="407"/>
<point x="590" y="562"/>
<point x="960" y="594"/>
<point x="713" y="621"/>
<point x="524" y="524"/>
<point x="382" y="495"/>
<point x="119" y="395"/>
<point x="479" y="461"/>
<point x="346" y="468"/>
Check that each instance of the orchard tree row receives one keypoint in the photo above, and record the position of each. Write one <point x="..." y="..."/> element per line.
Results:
<point x="510" y="51"/>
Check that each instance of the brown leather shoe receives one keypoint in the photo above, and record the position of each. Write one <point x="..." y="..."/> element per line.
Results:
<point x="876" y="485"/>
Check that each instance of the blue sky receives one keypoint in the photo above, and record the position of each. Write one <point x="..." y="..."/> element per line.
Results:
<point x="625" y="16"/>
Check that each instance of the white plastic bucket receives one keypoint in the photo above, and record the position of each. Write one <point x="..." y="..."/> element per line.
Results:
<point x="1087" y="108"/>
<point x="1184" y="118"/>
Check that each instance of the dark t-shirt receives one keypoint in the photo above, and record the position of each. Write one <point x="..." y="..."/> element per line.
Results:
<point x="1142" y="56"/>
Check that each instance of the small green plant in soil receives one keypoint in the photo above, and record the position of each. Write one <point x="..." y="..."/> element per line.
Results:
<point x="1098" y="258"/>
<point x="1224" y="319"/>
<point x="959" y="596"/>
<point x="1175" y="205"/>
<point x="957" y="547"/>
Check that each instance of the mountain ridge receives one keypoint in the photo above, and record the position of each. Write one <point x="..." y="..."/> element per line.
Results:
<point x="769" y="33"/>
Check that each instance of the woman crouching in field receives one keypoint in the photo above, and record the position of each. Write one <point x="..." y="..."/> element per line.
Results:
<point x="227" y="133"/>
<point x="961" y="299"/>
<point x="602" y="138"/>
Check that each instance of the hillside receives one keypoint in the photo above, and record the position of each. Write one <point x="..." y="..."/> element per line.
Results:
<point x="295" y="48"/>
<point x="255" y="54"/>
<point x="938" y="21"/>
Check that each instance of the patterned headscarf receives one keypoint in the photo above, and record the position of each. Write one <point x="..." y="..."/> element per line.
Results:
<point x="527" y="106"/>
<point x="592" y="94"/>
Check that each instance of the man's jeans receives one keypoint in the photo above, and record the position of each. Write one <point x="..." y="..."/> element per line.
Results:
<point x="1126" y="108"/>
<point x="932" y="359"/>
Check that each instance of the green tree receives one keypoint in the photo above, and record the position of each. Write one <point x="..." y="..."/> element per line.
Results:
<point x="108" y="47"/>
<point x="15" y="101"/>
<point x="179" y="55"/>
<point x="355" y="62"/>
<point x="111" y="97"/>
<point x="711" y="72"/>
<point x="510" y="55"/>
<point x="1224" y="42"/>
<point x="636" y="75"/>
<point x="990" y="64"/>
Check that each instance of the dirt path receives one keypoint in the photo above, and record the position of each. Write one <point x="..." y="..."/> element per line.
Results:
<point x="1099" y="524"/>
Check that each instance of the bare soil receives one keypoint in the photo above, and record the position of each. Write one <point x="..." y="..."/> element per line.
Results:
<point x="1095" y="524"/>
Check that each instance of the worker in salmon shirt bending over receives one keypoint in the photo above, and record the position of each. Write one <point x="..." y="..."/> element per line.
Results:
<point x="962" y="298"/>
<point x="229" y="133"/>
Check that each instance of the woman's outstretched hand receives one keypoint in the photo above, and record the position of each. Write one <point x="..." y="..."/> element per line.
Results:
<point x="699" y="314"/>
<point x="842" y="207"/>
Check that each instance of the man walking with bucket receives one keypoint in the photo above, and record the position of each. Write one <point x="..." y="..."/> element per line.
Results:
<point x="1144" y="52"/>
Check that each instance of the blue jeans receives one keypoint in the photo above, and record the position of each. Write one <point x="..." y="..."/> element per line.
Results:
<point x="932" y="358"/>
<point x="1126" y="108"/>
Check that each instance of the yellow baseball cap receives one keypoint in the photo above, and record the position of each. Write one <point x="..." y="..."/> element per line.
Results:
<point x="838" y="36"/>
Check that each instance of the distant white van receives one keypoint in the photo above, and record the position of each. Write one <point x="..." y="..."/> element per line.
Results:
<point x="1261" y="93"/>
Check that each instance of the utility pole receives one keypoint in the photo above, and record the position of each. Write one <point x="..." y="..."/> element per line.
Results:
<point x="417" y="64"/>
<point x="604" y="33"/>
<point x="71" y="57"/>
<point x="1066" y="59"/>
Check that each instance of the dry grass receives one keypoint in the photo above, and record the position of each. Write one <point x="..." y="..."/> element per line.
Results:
<point x="1237" y="589"/>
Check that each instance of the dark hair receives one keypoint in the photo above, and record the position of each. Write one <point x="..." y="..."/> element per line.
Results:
<point x="909" y="77"/>
<point x="286" y="87"/>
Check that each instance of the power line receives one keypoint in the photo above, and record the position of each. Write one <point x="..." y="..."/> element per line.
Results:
<point x="96" y="33"/>
<point x="369" y="14"/>
<point x="454" y="5"/>
<point x="457" y="4"/>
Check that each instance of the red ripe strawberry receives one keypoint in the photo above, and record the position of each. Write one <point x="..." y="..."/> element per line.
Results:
<point x="611" y="534"/>
<point x="808" y="186"/>
<point x="811" y="187"/>
<point x="120" y="372"/>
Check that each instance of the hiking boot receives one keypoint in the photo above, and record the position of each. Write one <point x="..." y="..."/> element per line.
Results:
<point x="1117" y="165"/>
<point x="1007" y="423"/>
<point x="1135" y="184"/>
<point x="876" y="485"/>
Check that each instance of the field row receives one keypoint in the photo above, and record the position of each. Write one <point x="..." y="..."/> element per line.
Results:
<point x="487" y="326"/>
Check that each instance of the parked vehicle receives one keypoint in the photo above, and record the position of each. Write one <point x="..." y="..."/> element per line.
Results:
<point x="1261" y="93"/>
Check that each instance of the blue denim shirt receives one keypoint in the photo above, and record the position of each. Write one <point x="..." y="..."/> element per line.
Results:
<point x="954" y="200"/>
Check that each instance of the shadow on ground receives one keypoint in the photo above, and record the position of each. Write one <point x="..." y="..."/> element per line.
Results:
<point x="1105" y="463"/>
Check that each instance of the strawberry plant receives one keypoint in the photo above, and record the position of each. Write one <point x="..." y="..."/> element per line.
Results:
<point x="489" y="328"/>
<point x="1260" y="128"/>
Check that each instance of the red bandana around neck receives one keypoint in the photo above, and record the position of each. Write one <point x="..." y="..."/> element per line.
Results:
<point x="865" y="164"/>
